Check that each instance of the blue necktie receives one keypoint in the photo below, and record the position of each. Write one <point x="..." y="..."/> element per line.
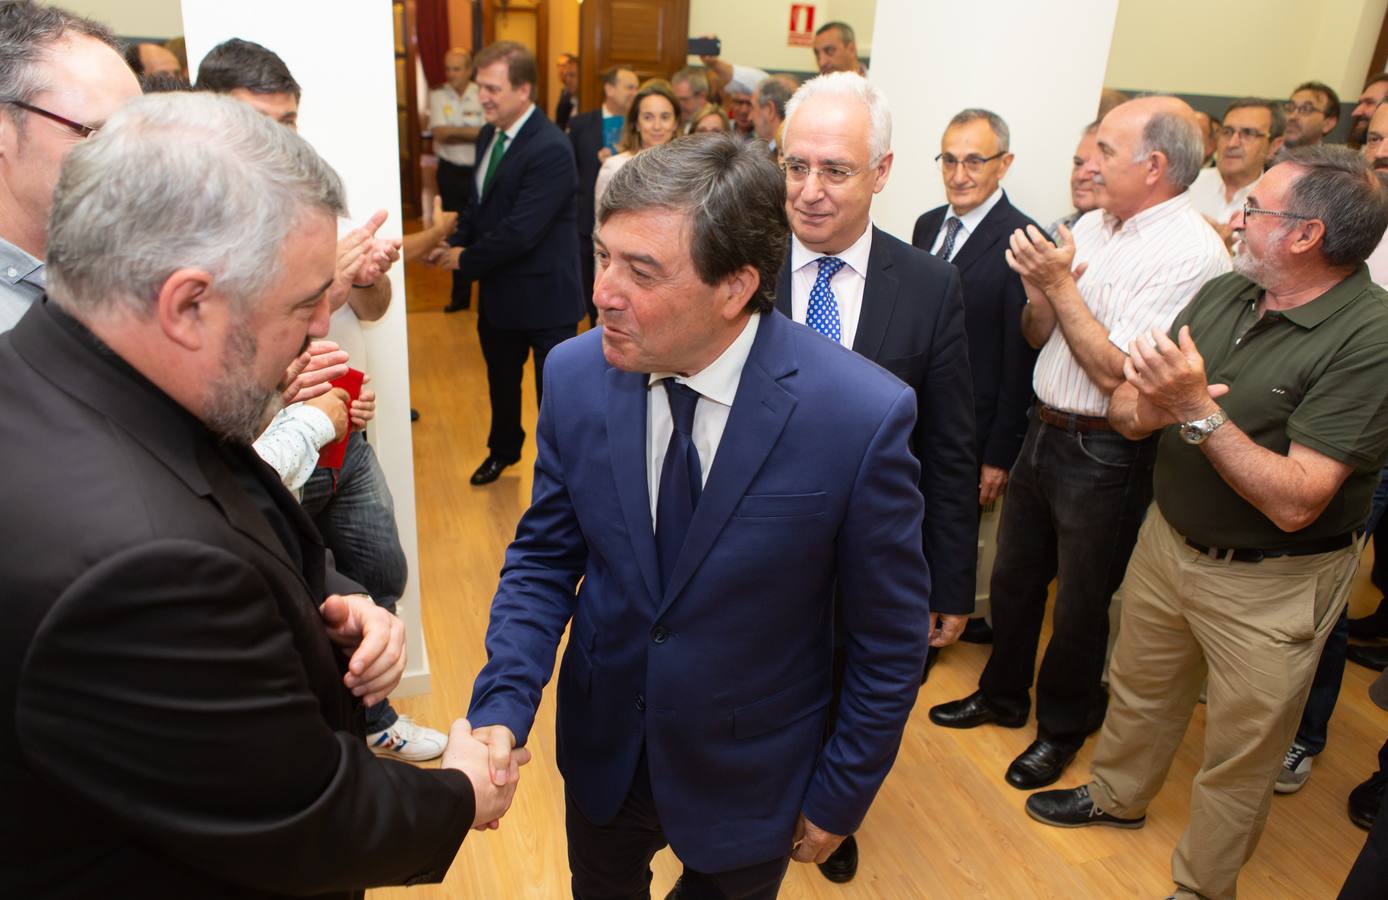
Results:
<point x="823" y="314"/>
<point x="951" y="232"/>
<point x="681" y="479"/>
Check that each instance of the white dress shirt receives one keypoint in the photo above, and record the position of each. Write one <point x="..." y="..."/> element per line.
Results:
<point x="1378" y="263"/>
<point x="847" y="283"/>
<point x="511" y="133"/>
<point x="22" y="283"/>
<point x="968" y="224"/>
<point x="1141" y="273"/>
<point x="453" y="110"/>
<point x="717" y="386"/>
<point x="1208" y="197"/>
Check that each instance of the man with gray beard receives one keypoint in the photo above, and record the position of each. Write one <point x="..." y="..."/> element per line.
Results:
<point x="1270" y="393"/>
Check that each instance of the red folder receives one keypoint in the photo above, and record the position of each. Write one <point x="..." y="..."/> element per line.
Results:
<point x="332" y="456"/>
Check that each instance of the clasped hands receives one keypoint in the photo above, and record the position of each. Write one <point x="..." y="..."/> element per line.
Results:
<point x="1043" y="265"/>
<point x="1170" y="380"/>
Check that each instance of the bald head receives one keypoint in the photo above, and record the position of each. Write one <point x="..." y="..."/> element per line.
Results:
<point x="156" y="60"/>
<point x="1150" y="150"/>
<point x="457" y="66"/>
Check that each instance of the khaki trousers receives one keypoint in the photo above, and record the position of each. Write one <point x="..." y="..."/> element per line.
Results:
<point x="1258" y="629"/>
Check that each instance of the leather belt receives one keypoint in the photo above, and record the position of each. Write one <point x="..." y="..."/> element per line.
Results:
<point x="1068" y="421"/>
<point x="1241" y="554"/>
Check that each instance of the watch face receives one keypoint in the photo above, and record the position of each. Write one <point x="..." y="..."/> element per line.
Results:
<point x="1192" y="434"/>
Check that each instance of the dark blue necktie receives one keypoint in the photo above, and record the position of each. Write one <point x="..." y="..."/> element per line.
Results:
<point x="951" y="232"/>
<point x="681" y="479"/>
<point x="823" y="312"/>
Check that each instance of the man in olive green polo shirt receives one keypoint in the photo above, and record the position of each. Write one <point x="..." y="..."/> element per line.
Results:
<point x="1272" y="396"/>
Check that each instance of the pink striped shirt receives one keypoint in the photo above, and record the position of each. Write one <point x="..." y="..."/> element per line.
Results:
<point x="1141" y="273"/>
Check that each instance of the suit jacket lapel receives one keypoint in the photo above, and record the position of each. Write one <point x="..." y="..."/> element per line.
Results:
<point x="626" y="436"/>
<point x="879" y="298"/>
<point x="527" y="131"/>
<point x="933" y="222"/>
<point x="983" y="242"/>
<point x="783" y="289"/>
<point x="760" y="410"/>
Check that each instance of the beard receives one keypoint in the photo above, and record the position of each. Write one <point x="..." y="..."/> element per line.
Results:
<point x="236" y="408"/>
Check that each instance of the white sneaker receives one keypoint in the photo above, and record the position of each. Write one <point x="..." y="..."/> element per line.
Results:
<point x="407" y="740"/>
<point x="1296" y="768"/>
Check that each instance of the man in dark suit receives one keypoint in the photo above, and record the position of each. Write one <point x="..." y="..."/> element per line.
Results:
<point x="567" y="105"/>
<point x="899" y="307"/>
<point x="971" y="231"/>
<point x="590" y="133"/>
<point x="517" y="240"/>
<point x="710" y="471"/>
<point x="165" y="628"/>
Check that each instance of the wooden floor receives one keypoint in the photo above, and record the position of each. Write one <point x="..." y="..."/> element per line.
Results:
<point x="945" y="825"/>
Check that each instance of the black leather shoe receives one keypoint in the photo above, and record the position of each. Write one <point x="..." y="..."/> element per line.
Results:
<point x="1074" y="808"/>
<point x="842" y="865"/>
<point x="972" y="711"/>
<point x="1371" y="627"/>
<point x="1371" y="657"/>
<point x="490" y="470"/>
<point x="1040" y="764"/>
<point x="977" y="631"/>
<point x="456" y="307"/>
<point x="1365" y="800"/>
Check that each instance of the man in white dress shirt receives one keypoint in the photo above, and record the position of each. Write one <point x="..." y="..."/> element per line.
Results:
<point x="455" y="119"/>
<point x="1250" y="136"/>
<point x="1079" y="489"/>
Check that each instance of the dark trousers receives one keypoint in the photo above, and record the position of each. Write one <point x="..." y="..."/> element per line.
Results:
<point x="453" y="189"/>
<point x="1074" y="504"/>
<point x="588" y="271"/>
<point x="505" y="352"/>
<point x="1370" y="871"/>
<point x="613" y="861"/>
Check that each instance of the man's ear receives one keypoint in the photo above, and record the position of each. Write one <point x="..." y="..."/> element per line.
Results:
<point x="181" y="307"/>
<point x="739" y="289"/>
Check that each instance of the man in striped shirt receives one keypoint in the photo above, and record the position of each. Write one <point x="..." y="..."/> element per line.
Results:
<point x="1078" y="491"/>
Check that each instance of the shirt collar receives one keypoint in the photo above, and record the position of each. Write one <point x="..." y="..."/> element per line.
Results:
<point x="855" y="257"/>
<point x="1148" y="217"/>
<point x="517" y="125"/>
<point x="18" y="265"/>
<point x="1309" y="315"/>
<point x="719" y="379"/>
<point x="974" y="217"/>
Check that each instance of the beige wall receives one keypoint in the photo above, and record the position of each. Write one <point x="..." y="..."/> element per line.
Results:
<point x="460" y="23"/>
<point x="1243" y="47"/>
<point x="149" y="18"/>
<point x="754" y="31"/>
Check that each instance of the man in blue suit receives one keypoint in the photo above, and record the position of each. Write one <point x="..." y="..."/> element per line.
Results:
<point x="517" y="239"/>
<point x="709" y="471"/>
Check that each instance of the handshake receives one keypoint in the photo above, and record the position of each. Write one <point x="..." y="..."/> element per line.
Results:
<point x="487" y="756"/>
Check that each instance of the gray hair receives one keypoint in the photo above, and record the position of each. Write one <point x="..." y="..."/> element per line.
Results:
<point x="995" y="124"/>
<point x="845" y="31"/>
<point x="694" y="76"/>
<point x="174" y="181"/>
<point x="777" y="92"/>
<point x="1277" y="124"/>
<point x="28" y="32"/>
<point x="1338" y="187"/>
<point x="1177" y="138"/>
<point x="851" y="86"/>
<point x="731" y="194"/>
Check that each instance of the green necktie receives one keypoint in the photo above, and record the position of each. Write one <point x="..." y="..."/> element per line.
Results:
<point x="498" y="149"/>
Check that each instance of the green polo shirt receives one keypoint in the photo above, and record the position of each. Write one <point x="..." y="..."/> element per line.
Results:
<point x="1316" y="375"/>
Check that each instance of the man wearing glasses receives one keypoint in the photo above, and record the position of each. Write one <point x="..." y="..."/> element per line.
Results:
<point x="901" y="308"/>
<point x="1268" y="394"/>
<point x="1250" y="135"/>
<point x="1312" y="113"/>
<point x="1079" y="489"/>
<point x="62" y="78"/>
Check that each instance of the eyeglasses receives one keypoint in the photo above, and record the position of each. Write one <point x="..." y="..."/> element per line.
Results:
<point x="1249" y="209"/>
<point x="797" y="172"/>
<point x="1248" y="134"/>
<point x="77" y="128"/>
<point x="972" y="164"/>
<point x="1302" y="109"/>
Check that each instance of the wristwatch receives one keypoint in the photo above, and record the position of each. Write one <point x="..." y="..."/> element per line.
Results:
<point x="1197" y="431"/>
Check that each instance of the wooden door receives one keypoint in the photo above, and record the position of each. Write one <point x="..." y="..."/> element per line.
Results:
<point x="525" y="22"/>
<point x="406" y="106"/>
<point x="648" y="36"/>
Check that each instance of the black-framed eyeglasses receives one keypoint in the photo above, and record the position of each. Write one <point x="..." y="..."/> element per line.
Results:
<point x="972" y="164"/>
<point x="1249" y="209"/>
<point x="1248" y="134"/>
<point x="1303" y="109"/>
<point x="797" y="171"/>
<point x="77" y="128"/>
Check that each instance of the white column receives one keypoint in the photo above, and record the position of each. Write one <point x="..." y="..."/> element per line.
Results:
<point x="342" y="54"/>
<point x="1038" y="65"/>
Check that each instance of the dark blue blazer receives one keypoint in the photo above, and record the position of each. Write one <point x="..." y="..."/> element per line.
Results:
<point x="993" y="301"/>
<point x="725" y="675"/>
<point x="912" y="325"/>
<point x="585" y="134"/>
<point x="519" y="240"/>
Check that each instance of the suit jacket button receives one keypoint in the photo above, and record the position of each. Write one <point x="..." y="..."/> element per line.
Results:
<point x="640" y="702"/>
<point x="659" y="634"/>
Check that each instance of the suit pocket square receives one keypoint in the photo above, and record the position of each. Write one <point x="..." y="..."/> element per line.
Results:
<point x="780" y="506"/>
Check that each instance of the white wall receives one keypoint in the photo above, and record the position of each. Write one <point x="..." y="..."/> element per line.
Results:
<point x="348" y="115"/>
<point x="755" y="33"/>
<point x="1044" y="112"/>
<point x="133" y="18"/>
